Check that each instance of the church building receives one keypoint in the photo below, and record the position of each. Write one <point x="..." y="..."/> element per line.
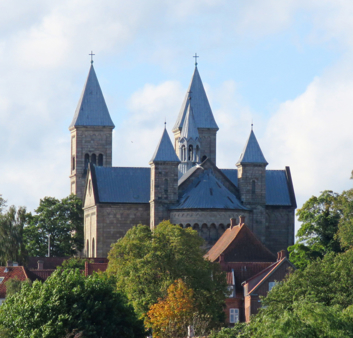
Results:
<point x="182" y="182"/>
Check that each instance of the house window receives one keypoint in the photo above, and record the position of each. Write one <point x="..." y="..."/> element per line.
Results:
<point x="1" y="279"/>
<point x="233" y="316"/>
<point x="94" y="159"/>
<point x="271" y="285"/>
<point x="231" y="291"/>
<point x="73" y="163"/>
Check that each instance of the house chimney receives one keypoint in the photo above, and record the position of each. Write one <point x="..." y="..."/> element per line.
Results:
<point x="241" y="220"/>
<point x="233" y="223"/>
<point x="40" y="265"/>
<point x="9" y="263"/>
<point x="281" y="254"/>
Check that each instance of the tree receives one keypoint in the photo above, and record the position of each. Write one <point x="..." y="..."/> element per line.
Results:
<point x="12" y="225"/>
<point x="345" y="227"/>
<point x="171" y="316"/>
<point x="74" y="263"/>
<point x="317" y="235"/>
<point x="69" y="303"/>
<point x="14" y="285"/>
<point x="62" y="220"/>
<point x="146" y="263"/>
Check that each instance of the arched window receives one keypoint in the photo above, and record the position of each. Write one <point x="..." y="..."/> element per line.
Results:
<point x="183" y="156"/>
<point x="73" y="163"/>
<point x="93" y="255"/>
<point x="190" y="158"/>
<point x="87" y="249"/>
<point x="253" y="187"/>
<point x="166" y="188"/>
<point x="204" y="158"/>
<point x="100" y="160"/>
<point x="197" y="154"/>
<point x="86" y="161"/>
<point x="94" y="159"/>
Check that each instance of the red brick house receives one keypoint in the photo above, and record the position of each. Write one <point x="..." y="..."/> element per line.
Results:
<point x="245" y="260"/>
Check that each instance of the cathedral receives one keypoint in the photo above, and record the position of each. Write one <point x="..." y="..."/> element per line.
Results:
<point x="182" y="182"/>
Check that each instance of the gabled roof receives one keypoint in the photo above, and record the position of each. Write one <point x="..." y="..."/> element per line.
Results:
<point x="255" y="281"/>
<point x="189" y="129"/>
<point x="199" y="103"/>
<point x="18" y="272"/>
<point x="121" y="184"/>
<point x="92" y="109"/>
<point x="239" y="244"/>
<point x="252" y="152"/>
<point x="165" y="151"/>
<point x="207" y="192"/>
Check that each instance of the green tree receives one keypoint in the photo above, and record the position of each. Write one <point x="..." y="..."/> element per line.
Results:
<point x="12" y="224"/>
<point x="345" y="227"/>
<point x="62" y="220"/>
<point x="14" y="285"/>
<point x="146" y="263"/>
<point x="75" y="263"/>
<point x="317" y="234"/>
<point x="67" y="303"/>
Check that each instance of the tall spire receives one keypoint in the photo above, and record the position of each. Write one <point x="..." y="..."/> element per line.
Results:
<point x="252" y="152"/>
<point x="189" y="129"/>
<point x="201" y="107"/>
<point x="92" y="109"/>
<point x="164" y="151"/>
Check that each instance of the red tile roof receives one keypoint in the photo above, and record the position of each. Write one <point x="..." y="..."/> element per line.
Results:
<point x="13" y="272"/>
<point x="239" y="244"/>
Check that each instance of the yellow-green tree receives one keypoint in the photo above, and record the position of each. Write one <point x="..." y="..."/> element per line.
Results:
<point x="171" y="316"/>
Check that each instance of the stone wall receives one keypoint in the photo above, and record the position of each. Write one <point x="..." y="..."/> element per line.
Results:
<point x="208" y="143"/>
<point x="88" y="140"/>
<point x="109" y="222"/>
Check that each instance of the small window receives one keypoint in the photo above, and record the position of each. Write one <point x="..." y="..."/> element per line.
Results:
<point x="233" y="316"/>
<point x="1" y="279"/>
<point x="93" y="247"/>
<point x="271" y="285"/>
<point x="191" y="155"/>
<point x="86" y="161"/>
<point x="231" y="291"/>
<point x="73" y="163"/>
<point x="87" y="249"/>
<point x="100" y="160"/>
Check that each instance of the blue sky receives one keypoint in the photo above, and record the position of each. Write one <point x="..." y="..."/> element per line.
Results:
<point x="285" y="65"/>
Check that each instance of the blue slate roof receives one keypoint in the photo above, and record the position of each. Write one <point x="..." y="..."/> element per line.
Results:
<point x="252" y="152"/>
<point x="91" y="108"/>
<point x="165" y="151"/>
<point x="206" y="192"/>
<point x="277" y="191"/>
<point x="189" y="129"/>
<point x="200" y="106"/>
<point x="122" y="185"/>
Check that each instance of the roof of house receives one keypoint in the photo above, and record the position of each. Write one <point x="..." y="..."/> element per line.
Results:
<point x="18" y="272"/>
<point x="91" y="108"/>
<point x="200" y="106"/>
<point x="189" y="130"/>
<point x="239" y="244"/>
<point x="121" y="184"/>
<point x="48" y="262"/>
<point x="207" y="192"/>
<point x="41" y="275"/>
<point x="255" y="281"/>
<point x="252" y="152"/>
<point x="165" y="151"/>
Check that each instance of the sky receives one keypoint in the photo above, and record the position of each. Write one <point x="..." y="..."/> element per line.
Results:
<point x="285" y="65"/>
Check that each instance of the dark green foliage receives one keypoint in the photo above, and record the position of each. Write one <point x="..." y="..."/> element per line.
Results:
<point x="12" y="224"/>
<point x="146" y="263"/>
<point x="68" y="303"/>
<point x="345" y="228"/>
<point x="14" y="285"/>
<point x="63" y="220"/>
<point x="317" y="235"/>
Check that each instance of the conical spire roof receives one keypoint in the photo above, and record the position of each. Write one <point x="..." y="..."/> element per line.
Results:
<point x="92" y="109"/>
<point x="252" y="152"/>
<point x="200" y="106"/>
<point x="189" y="129"/>
<point x="165" y="151"/>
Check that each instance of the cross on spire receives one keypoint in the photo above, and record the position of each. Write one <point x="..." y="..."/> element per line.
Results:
<point x="195" y="56"/>
<point x="91" y="57"/>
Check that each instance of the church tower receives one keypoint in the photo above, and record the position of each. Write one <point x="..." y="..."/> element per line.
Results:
<point x="91" y="134"/>
<point x="164" y="180"/>
<point x="189" y="145"/>
<point x="252" y="183"/>
<point x="206" y="125"/>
